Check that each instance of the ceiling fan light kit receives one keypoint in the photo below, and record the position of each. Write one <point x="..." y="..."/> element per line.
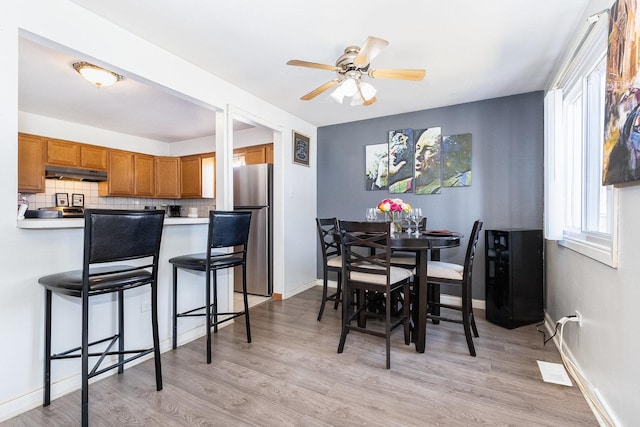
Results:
<point x="351" y="67"/>
<point x="99" y="76"/>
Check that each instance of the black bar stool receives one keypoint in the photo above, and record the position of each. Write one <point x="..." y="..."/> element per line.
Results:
<point x="109" y="236"/>
<point x="227" y="230"/>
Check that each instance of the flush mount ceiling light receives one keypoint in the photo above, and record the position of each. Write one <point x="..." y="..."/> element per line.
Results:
<point x="96" y="75"/>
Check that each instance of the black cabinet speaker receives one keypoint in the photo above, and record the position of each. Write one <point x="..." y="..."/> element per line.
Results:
<point x="514" y="277"/>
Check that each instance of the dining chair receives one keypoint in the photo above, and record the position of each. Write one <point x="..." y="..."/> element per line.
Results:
<point x="367" y="271"/>
<point x="445" y="273"/>
<point x="110" y="236"/>
<point x="227" y="239"/>
<point x="331" y="260"/>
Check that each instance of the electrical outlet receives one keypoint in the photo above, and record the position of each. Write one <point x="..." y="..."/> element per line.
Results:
<point x="579" y="316"/>
<point x="144" y="307"/>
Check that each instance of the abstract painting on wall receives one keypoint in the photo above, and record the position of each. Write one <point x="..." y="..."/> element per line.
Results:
<point x="456" y="160"/>
<point x="376" y="166"/>
<point x="621" y="154"/>
<point x="400" y="161"/>
<point x="427" y="171"/>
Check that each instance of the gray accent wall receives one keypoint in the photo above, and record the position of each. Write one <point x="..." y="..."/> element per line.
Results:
<point x="507" y="170"/>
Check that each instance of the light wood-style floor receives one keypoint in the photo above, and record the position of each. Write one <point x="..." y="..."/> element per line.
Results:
<point x="292" y="375"/>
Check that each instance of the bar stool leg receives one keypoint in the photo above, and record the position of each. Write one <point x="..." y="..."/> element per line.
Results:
<point x="85" y="359"/>
<point x="175" y="307"/>
<point x="121" y="331"/>
<point x="246" y="301"/>
<point x="156" y="335"/>
<point x="47" y="348"/>
<point x="215" y="301"/>
<point x="208" y="314"/>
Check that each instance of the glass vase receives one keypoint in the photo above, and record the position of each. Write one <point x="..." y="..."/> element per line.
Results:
<point x="395" y="218"/>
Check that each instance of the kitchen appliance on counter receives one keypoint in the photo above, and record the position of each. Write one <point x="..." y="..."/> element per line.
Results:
<point x="253" y="191"/>
<point x="56" y="212"/>
<point x="173" y="210"/>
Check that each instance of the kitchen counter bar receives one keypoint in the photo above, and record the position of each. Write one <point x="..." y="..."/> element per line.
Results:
<point x="42" y="224"/>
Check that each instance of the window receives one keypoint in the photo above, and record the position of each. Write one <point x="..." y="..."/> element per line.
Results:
<point x="584" y="210"/>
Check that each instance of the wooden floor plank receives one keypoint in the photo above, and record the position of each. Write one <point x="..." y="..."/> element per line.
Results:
<point x="291" y="374"/>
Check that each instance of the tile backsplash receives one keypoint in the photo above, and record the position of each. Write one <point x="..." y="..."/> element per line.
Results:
<point x="92" y="200"/>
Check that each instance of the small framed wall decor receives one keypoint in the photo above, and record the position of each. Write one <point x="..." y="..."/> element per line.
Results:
<point x="300" y="149"/>
<point x="77" y="200"/>
<point x="62" y="199"/>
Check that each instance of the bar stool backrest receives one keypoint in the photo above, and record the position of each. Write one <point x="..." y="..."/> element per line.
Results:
<point x="118" y="235"/>
<point x="228" y="228"/>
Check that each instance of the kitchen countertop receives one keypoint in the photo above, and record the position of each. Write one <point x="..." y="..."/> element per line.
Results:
<point x="41" y="224"/>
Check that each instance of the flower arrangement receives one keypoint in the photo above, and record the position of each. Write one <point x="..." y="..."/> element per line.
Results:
<point x="392" y="208"/>
<point x="393" y="205"/>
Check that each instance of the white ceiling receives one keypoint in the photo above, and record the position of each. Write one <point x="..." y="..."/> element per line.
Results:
<point x="472" y="50"/>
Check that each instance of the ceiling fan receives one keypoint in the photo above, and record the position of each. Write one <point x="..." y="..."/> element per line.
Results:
<point x="351" y="67"/>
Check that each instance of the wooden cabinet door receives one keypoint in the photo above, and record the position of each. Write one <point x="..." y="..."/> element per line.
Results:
<point x="255" y="155"/>
<point x="167" y="177"/>
<point x="63" y="153"/>
<point x="31" y="154"/>
<point x="190" y="177"/>
<point x="120" y="174"/>
<point x="208" y="176"/>
<point x="92" y="157"/>
<point x="269" y="153"/>
<point x="144" y="175"/>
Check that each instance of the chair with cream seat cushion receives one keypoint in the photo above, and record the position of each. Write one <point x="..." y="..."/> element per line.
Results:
<point x="367" y="271"/>
<point x="331" y="260"/>
<point x="445" y="273"/>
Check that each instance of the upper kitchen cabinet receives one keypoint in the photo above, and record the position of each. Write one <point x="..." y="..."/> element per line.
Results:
<point x="190" y="176"/>
<point x="144" y="175"/>
<point x="269" y="154"/>
<point x="209" y="176"/>
<point x="250" y="155"/>
<point x="121" y="175"/>
<point x="31" y="155"/>
<point x="92" y="157"/>
<point x="74" y="154"/>
<point x="197" y="176"/>
<point x="167" y="172"/>
<point x="62" y="153"/>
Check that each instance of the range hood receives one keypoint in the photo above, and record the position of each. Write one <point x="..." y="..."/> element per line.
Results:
<point x="57" y="172"/>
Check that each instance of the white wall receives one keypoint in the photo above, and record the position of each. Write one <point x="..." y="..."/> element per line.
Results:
<point x="27" y="254"/>
<point x="206" y="144"/>
<point x="606" y="346"/>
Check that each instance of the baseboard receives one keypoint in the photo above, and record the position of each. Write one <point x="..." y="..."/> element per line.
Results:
<point x="478" y="304"/>
<point x="70" y="384"/>
<point x="580" y="378"/>
<point x="298" y="290"/>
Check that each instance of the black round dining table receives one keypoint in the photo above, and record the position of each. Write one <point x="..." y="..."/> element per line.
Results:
<point x="421" y="244"/>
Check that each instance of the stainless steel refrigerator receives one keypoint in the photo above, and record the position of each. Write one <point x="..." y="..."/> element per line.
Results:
<point x="253" y="191"/>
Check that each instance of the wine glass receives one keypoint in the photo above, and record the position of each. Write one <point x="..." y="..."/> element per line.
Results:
<point x="416" y="216"/>
<point x="372" y="214"/>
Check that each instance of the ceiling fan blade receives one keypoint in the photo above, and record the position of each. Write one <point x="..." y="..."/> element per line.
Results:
<point x="307" y="64"/>
<point x="371" y="48"/>
<point x="369" y="102"/>
<point x="398" y="74"/>
<point x="319" y="90"/>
